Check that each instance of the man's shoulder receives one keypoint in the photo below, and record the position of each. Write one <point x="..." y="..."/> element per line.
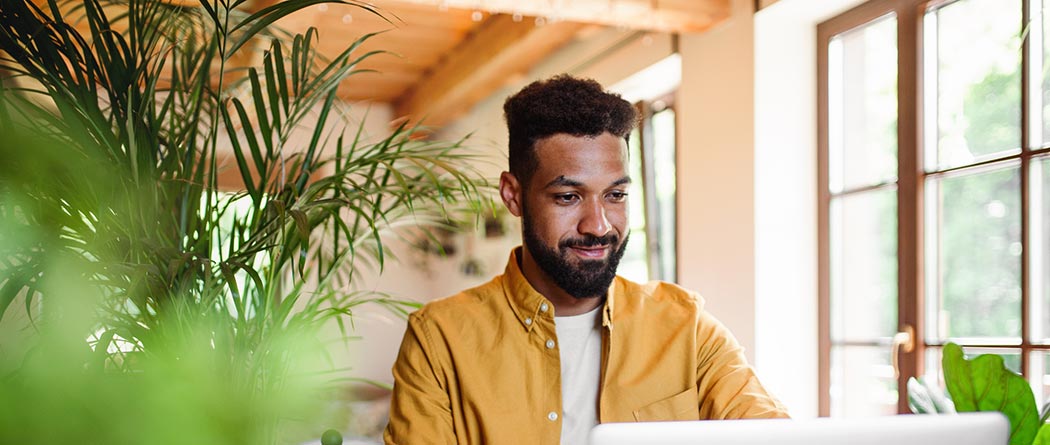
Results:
<point x="458" y="305"/>
<point x="658" y="293"/>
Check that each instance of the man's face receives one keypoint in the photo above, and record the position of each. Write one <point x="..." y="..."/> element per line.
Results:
<point x="574" y="211"/>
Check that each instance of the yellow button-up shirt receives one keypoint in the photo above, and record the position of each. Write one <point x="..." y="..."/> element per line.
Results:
<point x="483" y="367"/>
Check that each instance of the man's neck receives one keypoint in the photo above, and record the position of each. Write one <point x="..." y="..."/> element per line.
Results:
<point x="564" y="304"/>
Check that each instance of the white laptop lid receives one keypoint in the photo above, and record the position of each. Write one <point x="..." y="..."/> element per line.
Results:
<point x="988" y="428"/>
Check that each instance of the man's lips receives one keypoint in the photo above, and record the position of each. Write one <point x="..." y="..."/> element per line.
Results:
<point x="590" y="251"/>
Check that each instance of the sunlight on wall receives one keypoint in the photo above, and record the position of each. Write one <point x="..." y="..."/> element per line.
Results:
<point x="786" y="198"/>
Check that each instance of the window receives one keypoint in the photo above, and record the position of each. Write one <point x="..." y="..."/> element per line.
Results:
<point x="934" y="210"/>
<point x="651" y="253"/>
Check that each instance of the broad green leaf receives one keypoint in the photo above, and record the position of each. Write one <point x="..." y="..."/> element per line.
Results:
<point x="1043" y="437"/>
<point x="985" y="384"/>
<point x="958" y="378"/>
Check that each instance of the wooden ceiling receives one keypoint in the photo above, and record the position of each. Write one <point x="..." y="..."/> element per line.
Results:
<point x="443" y="56"/>
<point x="415" y="39"/>
<point x="440" y="57"/>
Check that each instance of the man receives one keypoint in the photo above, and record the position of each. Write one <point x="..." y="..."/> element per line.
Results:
<point x="559" y="343"/>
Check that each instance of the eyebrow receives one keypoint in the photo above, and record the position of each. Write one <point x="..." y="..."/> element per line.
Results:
<point x="562" y="181"/>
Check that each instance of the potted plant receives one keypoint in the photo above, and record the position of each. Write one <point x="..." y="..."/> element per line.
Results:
<point x="159" y="306"/>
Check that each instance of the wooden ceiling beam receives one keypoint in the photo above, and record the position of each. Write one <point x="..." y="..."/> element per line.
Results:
<point x="760" y="4"/>
<point x="681" y="16"/>
<point x="500" y="48"/>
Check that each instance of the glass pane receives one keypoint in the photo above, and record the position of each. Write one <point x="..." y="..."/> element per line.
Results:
<point x="1040" y="77"/>
<point x="864" y="266"/>
<point x="974" y="256"/>
<point x="664" y="160"/>
<point x="862" y="382"/>
<point x="1039" y="260"/>
<point x="1039" y="370"/>
<point x="862" y="94"/>
<point x="634" y="265"/>
<point x="975" y="64"/>
<point x="932" y="369"/>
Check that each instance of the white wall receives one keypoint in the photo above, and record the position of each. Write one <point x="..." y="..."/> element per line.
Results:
<point x="716" y="171"/>
<point x="785" y="198"/>
<point x="747" y="185"/>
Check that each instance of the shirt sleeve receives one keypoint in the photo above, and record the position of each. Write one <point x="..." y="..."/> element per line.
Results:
<point x="726" y="384"/>
<point x="420" y="408"/>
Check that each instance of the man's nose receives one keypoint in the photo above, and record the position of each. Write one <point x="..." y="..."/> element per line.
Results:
<point x="594" y="221"/>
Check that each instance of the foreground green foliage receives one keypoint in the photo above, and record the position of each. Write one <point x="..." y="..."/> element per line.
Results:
<point x="184" y="310"/>
<point x="984" y="383"/>
<point x="924" y="397"/>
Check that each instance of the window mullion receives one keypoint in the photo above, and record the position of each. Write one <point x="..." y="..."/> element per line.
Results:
<point x="1026" y="142"/>
<point x="909" y="206"/>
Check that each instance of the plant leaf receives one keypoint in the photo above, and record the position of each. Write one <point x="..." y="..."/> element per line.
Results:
<point x="14" y="285"/>
<point x="264" y="18"/>
<point x="1043" y="437"/>
<point x="957" y="376"/>
<point x="939" y="397"/>
<point x="919" y="399"/>
<point x="985" y="384"/>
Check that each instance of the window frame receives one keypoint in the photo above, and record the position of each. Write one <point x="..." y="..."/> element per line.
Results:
<point x="654" y="223"/>
<point x="911" y="180"/>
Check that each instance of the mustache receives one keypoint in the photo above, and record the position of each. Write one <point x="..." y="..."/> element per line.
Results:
<point x="589" y="241"/>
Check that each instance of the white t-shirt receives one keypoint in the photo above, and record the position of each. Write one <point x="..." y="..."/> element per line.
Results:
<point x="580" y="346"/>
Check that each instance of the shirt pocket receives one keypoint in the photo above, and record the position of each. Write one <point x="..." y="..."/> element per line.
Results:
<point x="681" y="406"/>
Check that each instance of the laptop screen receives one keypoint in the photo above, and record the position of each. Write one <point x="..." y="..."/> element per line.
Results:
<point x="988" y="428"/>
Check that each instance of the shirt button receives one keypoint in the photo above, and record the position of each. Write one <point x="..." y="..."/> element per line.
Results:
<point x="543" y="307"/>
<point x="552" y="416"/>
<point x="550" y="345"/>
<point x="528" y="322"/>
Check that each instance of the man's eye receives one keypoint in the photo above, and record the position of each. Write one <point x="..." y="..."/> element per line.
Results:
<point x="617" y="196"/>
<point x="565" y="199"/>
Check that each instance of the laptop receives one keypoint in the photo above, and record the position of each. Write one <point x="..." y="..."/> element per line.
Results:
<point x="986" y="428"/>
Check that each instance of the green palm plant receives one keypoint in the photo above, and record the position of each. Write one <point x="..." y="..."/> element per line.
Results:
<point x="115" y="141"/>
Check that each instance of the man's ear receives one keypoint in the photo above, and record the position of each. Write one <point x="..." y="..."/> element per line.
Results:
<point x="510" y="191"/>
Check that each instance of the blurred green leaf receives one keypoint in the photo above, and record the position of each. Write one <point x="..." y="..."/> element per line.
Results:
<point x="985" y="384"/>
<point x="167" y="305"/>
<point x="1043" y="437"/>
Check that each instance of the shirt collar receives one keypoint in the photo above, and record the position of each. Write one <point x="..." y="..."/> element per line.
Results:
<point x="529" y="305"/>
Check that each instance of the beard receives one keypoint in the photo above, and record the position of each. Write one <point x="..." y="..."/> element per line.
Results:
<point x="579" y="278"/>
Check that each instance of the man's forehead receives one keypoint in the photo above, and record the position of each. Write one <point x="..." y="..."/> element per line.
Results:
<point x="578" y="137"/>
<point x="574" y="164"/>
<point x="567" y="147"/>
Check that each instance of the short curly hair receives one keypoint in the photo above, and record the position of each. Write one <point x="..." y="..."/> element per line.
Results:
<point x="561" y="104"/>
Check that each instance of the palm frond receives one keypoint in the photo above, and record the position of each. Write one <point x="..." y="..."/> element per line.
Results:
<point x="132" y="115"/>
